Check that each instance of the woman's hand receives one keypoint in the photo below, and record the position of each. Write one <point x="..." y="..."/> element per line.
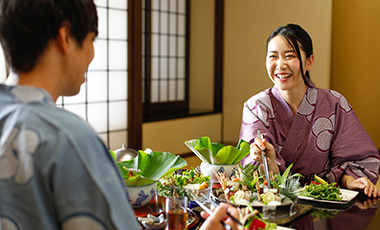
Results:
<point x="256" y="148"/>
<point x="213" y="222"/>
<point x="364" y="183"/>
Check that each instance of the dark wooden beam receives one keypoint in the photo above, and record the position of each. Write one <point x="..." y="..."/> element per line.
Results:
<point x="135" y="107"/>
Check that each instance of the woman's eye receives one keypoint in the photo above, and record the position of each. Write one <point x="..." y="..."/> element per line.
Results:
<point x="290" y="56"/>
<point x="272" y="56"/>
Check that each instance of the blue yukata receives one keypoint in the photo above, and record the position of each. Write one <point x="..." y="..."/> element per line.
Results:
<point x="55" y="172"/>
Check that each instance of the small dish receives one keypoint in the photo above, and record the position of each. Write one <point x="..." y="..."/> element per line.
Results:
<point x="152" y="222"/>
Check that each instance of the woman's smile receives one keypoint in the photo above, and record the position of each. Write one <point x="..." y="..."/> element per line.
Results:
<point x="283" y="76"/>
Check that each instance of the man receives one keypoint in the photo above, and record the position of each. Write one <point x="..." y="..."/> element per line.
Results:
<point x="55" y="172"/>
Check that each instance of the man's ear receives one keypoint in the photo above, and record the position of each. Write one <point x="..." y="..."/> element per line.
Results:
<point x="63" y="38"/>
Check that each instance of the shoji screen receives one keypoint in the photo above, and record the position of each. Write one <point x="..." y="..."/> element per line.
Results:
<point x="103" y="100"/>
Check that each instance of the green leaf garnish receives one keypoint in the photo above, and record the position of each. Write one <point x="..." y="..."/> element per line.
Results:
<point x="151" y="167"/>
<point x="217" y="153"/>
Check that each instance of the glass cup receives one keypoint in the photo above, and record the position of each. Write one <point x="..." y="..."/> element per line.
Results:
<point x="176" y="213"/>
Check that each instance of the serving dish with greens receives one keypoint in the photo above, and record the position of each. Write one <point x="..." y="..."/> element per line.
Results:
<point x="217" y="153"/>
<point x="248" y="187"/>
<point x="190" y="183"/>
<point x="322" y="191"/>
<point x="148" y="167"/>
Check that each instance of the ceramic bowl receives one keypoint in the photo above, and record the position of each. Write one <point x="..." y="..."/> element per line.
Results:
<point x="209" y="169"/>
<point x="140" y="196"/>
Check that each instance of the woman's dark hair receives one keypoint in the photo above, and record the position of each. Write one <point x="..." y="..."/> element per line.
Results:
<point x="27" y="26"/>
<point x="295" y="34"/>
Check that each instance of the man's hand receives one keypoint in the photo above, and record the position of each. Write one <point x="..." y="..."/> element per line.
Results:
<point x="213" y="222"/>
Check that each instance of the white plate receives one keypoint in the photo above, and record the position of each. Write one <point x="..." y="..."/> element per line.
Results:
<point x="283" y="228"/>
<point x="347" y="196"/>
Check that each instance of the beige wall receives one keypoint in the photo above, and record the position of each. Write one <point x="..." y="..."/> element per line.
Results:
<point x="248" y="23"/>
<point x="202" y="38"/>
<point x="170" y="135"/>
<point x="355" y="59"/>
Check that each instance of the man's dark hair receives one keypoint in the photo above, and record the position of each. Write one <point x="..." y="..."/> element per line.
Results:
<point x="27" y="26"/>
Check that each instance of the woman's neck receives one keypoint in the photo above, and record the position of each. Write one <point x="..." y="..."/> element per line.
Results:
<point x="294" y="98"/>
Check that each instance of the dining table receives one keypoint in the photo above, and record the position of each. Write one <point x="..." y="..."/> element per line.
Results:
<point x="360" y="213"/>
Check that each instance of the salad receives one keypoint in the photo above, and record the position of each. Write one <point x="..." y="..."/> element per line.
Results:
<point x="190" y="183"/>
<point x="321" y="190"/>
<point x="253" y="220"/>
<point x="248" y="187"/>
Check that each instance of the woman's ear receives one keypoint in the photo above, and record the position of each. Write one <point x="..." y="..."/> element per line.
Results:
<point x="309" y="62"/>
<point x="64" y="38"/>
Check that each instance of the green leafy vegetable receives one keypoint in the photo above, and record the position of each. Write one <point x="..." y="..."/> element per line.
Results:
<point x="257" y="222"/>
<point x="288" y="183"/>
<point x="149" y="167"/>
<point x="247" y="176"/>
<point x="113" y="154"/>
<point x="174" y="183"/>
<point x="217" y="153"/>
<point x="322" y="191"/>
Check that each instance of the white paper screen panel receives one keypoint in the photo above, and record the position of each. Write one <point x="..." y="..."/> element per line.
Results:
<point x="168" y="50"/>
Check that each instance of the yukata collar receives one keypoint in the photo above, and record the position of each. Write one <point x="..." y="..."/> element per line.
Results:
<point x="28" y="94"/>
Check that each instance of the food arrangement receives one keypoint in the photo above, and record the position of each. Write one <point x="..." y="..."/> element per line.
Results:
<point x="321" y="190"/>
<point x="252" y="219"/>
<point x="248" y="187"/>
<point x="190" y="183"/>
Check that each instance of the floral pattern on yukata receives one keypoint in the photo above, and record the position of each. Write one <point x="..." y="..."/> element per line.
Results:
<point x="262" y="110"/>
<point x="17" y="155"/>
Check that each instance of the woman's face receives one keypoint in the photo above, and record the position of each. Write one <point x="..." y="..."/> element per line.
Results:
<point x="283" y="65"/>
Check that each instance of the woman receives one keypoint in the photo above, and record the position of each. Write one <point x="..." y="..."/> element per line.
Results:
<point x="315" y="129"/>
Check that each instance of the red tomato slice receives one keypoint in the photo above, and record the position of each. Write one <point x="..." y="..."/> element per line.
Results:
<point x="257" y="224"/>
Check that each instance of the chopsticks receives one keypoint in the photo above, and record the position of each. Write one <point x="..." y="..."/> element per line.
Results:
<point x="204" y="207"/>
<point x="265" y="161"/>
<point x="215" y="204"/>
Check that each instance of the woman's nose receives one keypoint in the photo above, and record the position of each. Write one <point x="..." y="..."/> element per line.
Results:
<point x="281" y="63"/>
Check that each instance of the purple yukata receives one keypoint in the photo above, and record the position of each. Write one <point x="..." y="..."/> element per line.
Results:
<point x="325" y="137"/>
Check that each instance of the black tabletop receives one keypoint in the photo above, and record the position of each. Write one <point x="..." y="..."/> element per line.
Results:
<point x="357" y="214"/>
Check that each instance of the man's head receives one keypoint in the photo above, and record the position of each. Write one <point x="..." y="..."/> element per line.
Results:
<point x="27" y="26"/>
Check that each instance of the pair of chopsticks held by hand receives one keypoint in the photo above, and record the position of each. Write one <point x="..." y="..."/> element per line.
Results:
<point x="206" y="209"/>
